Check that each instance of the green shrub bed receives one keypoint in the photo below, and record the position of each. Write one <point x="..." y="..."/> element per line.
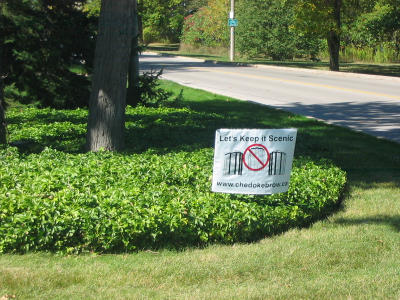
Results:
<point x="107" y="202"/>
<point x="73" y="202"/>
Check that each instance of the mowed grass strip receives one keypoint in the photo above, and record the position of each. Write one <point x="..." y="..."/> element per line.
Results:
<point x="221" y="55"/>
<point x="352" y="254"/>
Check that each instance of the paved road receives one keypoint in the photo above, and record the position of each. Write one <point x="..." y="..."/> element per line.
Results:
<point x="362" y="102"/>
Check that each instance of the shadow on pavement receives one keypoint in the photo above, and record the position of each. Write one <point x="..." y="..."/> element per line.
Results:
<point x="357" y="116"/>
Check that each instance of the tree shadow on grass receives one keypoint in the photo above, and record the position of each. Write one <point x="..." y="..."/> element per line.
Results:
<point x="32" y="130"/>
<point x="46" y="116"/>
<point x="392" y="221"/>
<point x="365" y="158"/>
<point x="373" y="69"/>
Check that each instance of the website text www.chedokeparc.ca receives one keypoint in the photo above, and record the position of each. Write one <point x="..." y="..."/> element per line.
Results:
<point x="252" y="185"/>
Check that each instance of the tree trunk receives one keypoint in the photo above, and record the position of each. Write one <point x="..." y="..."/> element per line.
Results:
<point x="334" y="36"/>
<point x="334" y="48"/>
<point x="3" y="124"/>
<point x="140" y="19"/>
<point x="133" y="74"/>
<point x="106" y="122"/>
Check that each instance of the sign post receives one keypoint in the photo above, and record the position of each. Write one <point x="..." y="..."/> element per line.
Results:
<point x="253" y="161"/>
<point x="232" y="47"/>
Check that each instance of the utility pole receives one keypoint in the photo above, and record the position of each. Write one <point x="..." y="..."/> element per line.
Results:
<point x="232" y="16"/>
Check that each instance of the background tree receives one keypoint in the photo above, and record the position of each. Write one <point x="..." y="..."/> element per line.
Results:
<point x="266" y="30"/>
<point x="106" y="122"/>
<point x="43" y="39"/>
<point x="161" y="19"/>
<point x="208" y="26"/>
<point x="191" y="6"/>
<point x="374" y="27"/>
<point x="321" y="18"/>
<point x="158" y="20"/>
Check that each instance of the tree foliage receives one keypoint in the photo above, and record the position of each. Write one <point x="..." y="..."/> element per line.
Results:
<point x="162" y="20"/>
<point x="159" y="20"/>
<point x="289" y="28"/>
<point x="208" y="25"/>
<point x="266" y="29"/>
<point x="321" y="18"/>
<point x="372" y="24"/>
<point x="42" y="40"/>
<point x="315" y="17"/>
<point x="379" y="23"/>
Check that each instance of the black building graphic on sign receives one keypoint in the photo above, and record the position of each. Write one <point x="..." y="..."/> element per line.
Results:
<point x="233" y="163"/>
<point x="277" y="163"/>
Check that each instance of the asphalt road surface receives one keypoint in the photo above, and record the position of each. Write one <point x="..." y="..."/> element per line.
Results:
<point x="362" y="102"/>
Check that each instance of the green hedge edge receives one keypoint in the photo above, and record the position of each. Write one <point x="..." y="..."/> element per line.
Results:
<point x="109" y="202"/>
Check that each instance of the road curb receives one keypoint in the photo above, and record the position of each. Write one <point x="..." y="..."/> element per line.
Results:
<point x="334" y="73"/>
<point x="325" y="72"/>
<point x="177" y="56"/>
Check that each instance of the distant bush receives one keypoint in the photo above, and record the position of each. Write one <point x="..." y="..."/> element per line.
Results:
<point x="266" y="28"/>
<point x="383" y="53"/>
<point x="107" y="202"/>
<point x="150" y="93"/>
<point x="208" y="26"/>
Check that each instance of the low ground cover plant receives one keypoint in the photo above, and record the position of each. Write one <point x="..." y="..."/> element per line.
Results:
<point x="54" y="197"/>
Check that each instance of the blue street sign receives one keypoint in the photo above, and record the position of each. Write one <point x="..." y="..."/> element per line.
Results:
<point x="232" y="22"/>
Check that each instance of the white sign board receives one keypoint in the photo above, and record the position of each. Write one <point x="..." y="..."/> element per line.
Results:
<point x="253" y="161"/>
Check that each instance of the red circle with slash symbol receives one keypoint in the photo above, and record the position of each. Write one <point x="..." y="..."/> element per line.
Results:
<point x="261" y="162"/>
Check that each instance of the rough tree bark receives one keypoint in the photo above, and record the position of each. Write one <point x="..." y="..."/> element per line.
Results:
<point x="106" y="122"/>
<point x="133" y="73"/>
<point x="334" y="36"/>
<point x="3" y="124"/>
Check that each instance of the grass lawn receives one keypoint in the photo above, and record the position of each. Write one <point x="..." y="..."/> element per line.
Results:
<point x="353" y="254"/>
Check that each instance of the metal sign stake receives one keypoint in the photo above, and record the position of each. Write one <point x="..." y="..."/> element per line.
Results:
<point x="232" y="16"/>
